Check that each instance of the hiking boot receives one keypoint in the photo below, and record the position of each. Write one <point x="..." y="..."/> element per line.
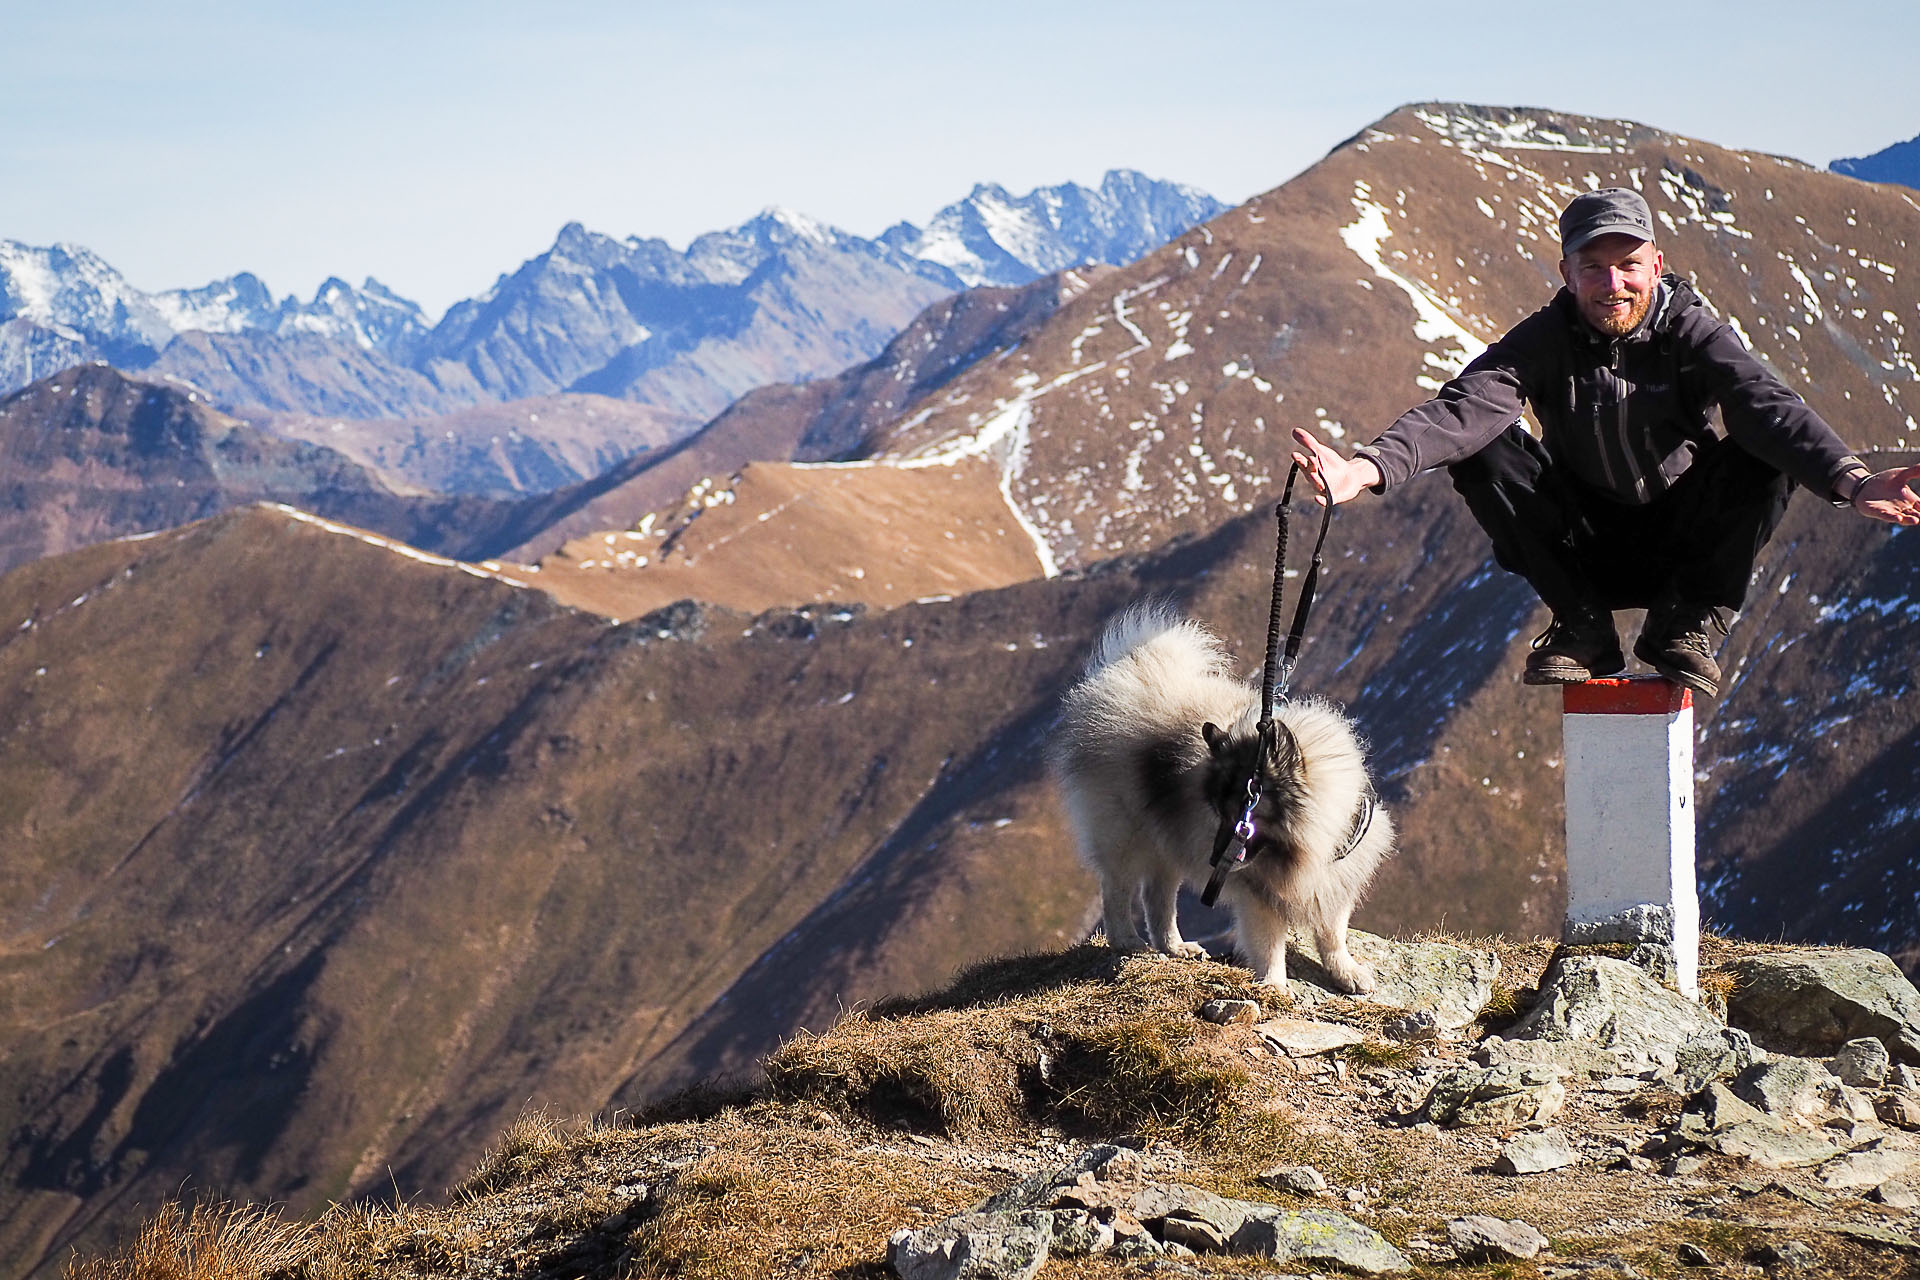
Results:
<point x="1675" y="642"/>
<point x="1575" y="647"/>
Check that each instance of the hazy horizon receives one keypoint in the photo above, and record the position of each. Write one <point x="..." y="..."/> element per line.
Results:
<point x="435" y="146"/>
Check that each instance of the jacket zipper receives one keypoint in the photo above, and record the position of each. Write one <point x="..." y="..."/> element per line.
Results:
<point x="1620" y="425"/>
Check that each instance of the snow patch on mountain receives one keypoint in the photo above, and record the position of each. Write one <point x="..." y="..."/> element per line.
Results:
<point x="993" y="237"/>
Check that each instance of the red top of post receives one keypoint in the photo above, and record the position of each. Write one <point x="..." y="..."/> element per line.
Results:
<point x="1627" y="696"/>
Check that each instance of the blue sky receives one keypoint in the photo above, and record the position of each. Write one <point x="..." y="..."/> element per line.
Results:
<point x="436" y="145"/>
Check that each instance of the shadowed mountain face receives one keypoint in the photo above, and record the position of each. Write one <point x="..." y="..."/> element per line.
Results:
<point x="322" y="859"/>
<point x="91" y="454"/>
<point x="1898" y="163"/>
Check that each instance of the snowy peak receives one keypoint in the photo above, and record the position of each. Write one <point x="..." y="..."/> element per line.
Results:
<point x="994" y="237"/>
<point x="70" y="291"/>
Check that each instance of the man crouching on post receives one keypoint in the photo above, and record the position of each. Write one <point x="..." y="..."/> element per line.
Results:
<point x="1629" y="498"/>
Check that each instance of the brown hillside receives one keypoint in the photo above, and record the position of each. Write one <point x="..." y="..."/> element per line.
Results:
<point x="808" y="421"/>
<point x="775" y="534"/>
<point x="91" y="454"/>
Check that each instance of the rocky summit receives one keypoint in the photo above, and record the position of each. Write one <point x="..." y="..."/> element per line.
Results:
<point x="1075" y="1114"/>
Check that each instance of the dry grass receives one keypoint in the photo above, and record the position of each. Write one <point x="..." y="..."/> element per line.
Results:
<point x="204" y="1242"/>
<point x="1091" y="1040"/>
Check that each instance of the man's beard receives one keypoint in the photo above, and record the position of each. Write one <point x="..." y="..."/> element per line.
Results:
<point x="1622" y="325"/>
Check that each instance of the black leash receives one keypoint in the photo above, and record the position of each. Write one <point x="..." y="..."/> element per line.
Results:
<point x="1231" y="841"/>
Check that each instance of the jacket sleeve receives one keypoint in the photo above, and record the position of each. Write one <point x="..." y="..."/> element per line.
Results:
<point x="1469" y="411"/>
<point x="1767" y="419"/>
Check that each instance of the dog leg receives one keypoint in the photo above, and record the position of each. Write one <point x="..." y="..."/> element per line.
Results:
<point x="1116" y="905"/>
<point x="1330" y="935"/>
<point x="1163" y="918"/>
<point x="1261" y="933"/>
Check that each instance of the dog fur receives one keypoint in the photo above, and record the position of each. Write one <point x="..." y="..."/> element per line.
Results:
<point x="1154" y="745"/>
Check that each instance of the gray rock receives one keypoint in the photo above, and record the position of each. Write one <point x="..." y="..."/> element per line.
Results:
<point x="1481" y="1238"/>
<point x="1305" y="1038"/>
<point x="1897" y="1193"/>
<point x="1816" y="1001"/>
<point x="1792" y="1088"/>
<point x="974" y="1246"/>
<point x="1862" y="1063"/>
<point x="1078" y="1234"/>
<point x="1789" y="1255"/>
<point x="1591" y="1004"/>
<point x="1414" y="1028"/>
<point x="1508" y="1096"/>
<point x="1901" y="1107"/>
<point x="1102" y="1163"/>
<point x="1230" y="1012"/>
<point x="1317" y="1236"/>
<point x="1692" y="1255"/>
<point x="1719" y="1121"/>
<point x="1451" y="983"/>
<point x="1296" y="1179"/>
<point x="1536" y="1153"/>
<point x="1863" y="1170"/>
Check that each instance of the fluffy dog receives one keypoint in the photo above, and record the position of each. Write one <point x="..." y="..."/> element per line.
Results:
<point x="1149" y="773"/>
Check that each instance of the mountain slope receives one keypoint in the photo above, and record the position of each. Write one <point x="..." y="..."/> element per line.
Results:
<point x="91" y="454"/>
<point x="820" y="420"/>
<point x="1897" y="163"/>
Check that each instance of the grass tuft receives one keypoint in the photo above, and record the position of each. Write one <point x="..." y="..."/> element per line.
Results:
<point x="1382" y="1053"/>
<point x="203" y="1242"/>
<point x="530" y="1144"/>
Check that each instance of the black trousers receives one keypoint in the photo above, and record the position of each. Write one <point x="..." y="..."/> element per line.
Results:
<point x="1696" y="543"/>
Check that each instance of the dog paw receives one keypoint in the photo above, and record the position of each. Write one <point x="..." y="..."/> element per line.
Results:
<point x="1352" y="977"/>
<point x="1186" y="950"/>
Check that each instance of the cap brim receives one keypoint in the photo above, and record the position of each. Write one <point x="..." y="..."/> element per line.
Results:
<point x="1587" y="237"/>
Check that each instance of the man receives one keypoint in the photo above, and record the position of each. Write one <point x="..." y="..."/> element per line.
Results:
<point x="1629" y="498"/>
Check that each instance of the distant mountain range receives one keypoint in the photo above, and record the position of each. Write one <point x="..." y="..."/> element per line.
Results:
<point x="1898" y="163"/>
<point x="778" y="298"/>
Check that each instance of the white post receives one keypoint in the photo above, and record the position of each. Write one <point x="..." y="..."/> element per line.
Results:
<point x="1629" y="778"/>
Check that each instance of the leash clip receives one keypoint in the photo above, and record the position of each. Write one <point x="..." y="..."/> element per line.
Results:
<point x="1243" y="830"/>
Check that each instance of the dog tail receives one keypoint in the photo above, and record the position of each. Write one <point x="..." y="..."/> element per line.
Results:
<point x="1153" y="621"/>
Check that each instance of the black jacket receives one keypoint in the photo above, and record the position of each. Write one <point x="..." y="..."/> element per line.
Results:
<point x="1625" y="415"/>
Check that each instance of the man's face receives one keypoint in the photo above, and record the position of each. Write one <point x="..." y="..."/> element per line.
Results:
<point x="1612" y="279"/>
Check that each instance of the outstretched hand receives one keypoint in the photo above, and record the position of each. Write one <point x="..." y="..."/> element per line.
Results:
<point x="1338" y="478"/>
<point x="1893" y="495"/>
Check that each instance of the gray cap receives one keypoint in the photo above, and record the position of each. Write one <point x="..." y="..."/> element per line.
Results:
<point x="1609" y="211"/>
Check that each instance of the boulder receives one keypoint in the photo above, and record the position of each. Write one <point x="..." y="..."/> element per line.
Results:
<point x="1720" y="1121"/>
<point x="1814" y="1002"/>
<point x="1450" y="982"/>
<point x="1597" y="1010"/>
<point x="1899" y="1107"/>
<point x="1862" y="1170"/>
<point x="1480" y="1238"/>
<point x="974" y="1246"/>
<point x="1506" y="1096"/>
<point x="1315" y="1237"/>
<point x="1536" y="1153"/>
<point x="1862" y="1063"/>
<point x="1794" y="1089"/>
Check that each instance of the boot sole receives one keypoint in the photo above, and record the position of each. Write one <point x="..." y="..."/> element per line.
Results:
<point x="1573" y="672"/>
<point x="1693" y="680"/>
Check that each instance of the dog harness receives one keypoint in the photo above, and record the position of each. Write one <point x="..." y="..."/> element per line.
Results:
<point x="1233" y="840"/>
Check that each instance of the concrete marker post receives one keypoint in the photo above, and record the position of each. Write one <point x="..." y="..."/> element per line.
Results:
<point x="1630" y="832"/>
